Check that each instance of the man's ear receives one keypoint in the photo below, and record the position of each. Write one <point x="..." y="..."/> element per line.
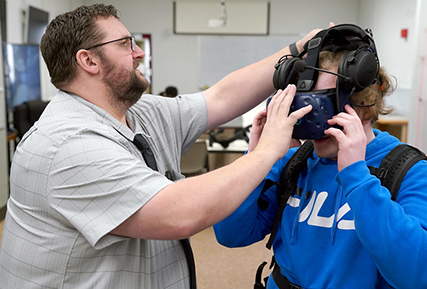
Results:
<point x="88" y="61"/>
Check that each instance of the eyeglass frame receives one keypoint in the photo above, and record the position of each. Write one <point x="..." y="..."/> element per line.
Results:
<point x="131" y="38"/>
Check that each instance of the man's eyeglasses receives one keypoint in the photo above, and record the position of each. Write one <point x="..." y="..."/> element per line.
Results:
<point x="131" y="40"/>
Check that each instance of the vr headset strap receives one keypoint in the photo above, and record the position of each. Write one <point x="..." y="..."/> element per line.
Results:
<point x="308" y="78"/>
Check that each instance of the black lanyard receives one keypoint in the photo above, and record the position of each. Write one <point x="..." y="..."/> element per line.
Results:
<point x="142" y="144"/>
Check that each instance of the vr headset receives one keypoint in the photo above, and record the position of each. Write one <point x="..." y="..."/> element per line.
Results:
<point x="357" y="70"/>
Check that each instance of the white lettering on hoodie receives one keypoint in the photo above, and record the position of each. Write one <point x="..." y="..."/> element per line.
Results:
<point x="311" y="211"/>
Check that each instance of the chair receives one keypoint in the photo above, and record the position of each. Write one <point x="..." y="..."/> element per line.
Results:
<point x="196" y="160"/>
<point x="224" y="135"/>
<point x="26" y="114"/>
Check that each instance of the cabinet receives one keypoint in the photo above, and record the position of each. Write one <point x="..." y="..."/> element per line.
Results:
<point x="394" y="125"/>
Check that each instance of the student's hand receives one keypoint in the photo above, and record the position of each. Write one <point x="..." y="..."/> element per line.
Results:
<point x="273" y="133"/>
<point x="256" y="130"/>
<point x="352" y="139"/>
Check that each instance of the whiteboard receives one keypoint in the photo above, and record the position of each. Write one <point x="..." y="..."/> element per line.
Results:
<point x="247" y="18"/>
<point x="221" y="55"/>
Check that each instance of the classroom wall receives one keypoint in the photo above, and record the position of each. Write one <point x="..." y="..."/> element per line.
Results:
<point x="15" y="29"/>
<point x="387" y="18"/>
<point x="176" y="59"/>
<point x="418" y="115"/>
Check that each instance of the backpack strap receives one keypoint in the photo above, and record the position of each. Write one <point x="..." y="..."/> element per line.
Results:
<point x="391" y="172"/>
<point x="395" y="165"/>
<point x="289" y="181"/>
<point x="258" y="277"/>
<point x="262" y="203"/>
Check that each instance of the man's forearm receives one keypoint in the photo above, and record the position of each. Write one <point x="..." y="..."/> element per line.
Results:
<point x="241" y="90"/>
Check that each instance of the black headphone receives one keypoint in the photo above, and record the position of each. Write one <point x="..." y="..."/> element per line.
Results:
<point x="357" y="70"/>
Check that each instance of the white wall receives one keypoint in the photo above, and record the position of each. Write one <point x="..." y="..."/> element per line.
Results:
<point x="176" y="57"/>
<point x="396" y="53"/>
<point x="418" y="117"/>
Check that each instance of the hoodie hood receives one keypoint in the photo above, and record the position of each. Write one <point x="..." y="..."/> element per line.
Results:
<point x="380" y="146"/>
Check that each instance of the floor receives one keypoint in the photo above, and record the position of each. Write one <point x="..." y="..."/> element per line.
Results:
<point x="218" y="267"/>
<point x="221" y="268"/>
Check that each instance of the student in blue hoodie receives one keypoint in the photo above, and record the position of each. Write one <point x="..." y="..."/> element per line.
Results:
<point x="340" y="228"/>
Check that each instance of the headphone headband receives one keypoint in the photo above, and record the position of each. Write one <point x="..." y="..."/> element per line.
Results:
<point x="358" y="68"/>
<point x="337" y="38"/>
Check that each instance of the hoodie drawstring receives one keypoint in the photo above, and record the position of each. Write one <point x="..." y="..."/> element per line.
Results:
<point x="336" y="210"/>
<point x="296" y="220"/>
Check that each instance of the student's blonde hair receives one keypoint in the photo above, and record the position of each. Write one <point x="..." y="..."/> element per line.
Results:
<point x="373" y="94"/>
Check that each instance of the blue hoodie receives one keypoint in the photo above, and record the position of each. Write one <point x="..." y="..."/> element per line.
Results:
<point x="342" y="230"/>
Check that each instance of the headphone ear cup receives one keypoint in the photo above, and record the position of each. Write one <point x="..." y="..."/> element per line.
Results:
<point x="344" y="70"/>
<point x="286" y="74"/>
<point x="361" y="66"/>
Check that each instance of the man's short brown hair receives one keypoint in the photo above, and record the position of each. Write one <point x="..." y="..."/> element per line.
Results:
<point x="67" y="34"/>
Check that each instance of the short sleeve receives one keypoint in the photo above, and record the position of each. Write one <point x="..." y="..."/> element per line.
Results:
<point x="97" y="183"/>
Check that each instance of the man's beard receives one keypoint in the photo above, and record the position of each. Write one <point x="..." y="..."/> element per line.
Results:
<point x="124" y="86"/>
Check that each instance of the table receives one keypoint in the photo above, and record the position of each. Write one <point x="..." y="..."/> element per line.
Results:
<point x="220" y="156"/>
<point x="237" y="146"/>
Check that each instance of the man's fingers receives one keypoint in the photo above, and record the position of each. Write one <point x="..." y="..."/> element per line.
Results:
<point x="298" y="114"/>
<point x="282" y="99"/>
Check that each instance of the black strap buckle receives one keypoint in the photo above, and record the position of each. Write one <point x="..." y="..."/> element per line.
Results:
<point x="281" y="281"/>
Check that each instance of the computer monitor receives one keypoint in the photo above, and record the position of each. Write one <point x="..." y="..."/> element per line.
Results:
<point x="22" y="73"/>
<point x="36" y="21"/>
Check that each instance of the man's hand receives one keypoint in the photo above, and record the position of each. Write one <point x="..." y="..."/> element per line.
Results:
<point x="272" y="131"/>
<point x="300" y="43"/>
